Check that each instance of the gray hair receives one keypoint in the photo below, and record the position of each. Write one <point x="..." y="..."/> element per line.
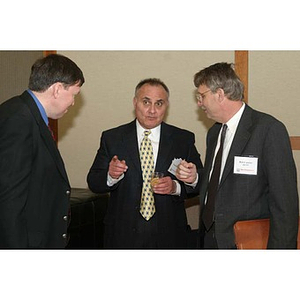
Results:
<point x="152" y="82"/>
<point x="221" y="75"/>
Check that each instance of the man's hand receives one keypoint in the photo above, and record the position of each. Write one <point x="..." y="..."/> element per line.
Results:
<point x="186" y="172"/>
<point x="164" y="186"/>
<point x="117" y="167"/>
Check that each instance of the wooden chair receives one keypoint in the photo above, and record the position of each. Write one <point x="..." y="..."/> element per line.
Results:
<point x="254" y="234"/>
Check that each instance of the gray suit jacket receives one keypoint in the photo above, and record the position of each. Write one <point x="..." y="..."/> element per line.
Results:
<point x="272" y="193"/>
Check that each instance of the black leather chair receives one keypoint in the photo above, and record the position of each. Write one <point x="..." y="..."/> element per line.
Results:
<point x="87" y="213"/>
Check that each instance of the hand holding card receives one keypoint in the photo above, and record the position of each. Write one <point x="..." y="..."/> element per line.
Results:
<point x="174" y="165"/>
<point x="186" y="172"/>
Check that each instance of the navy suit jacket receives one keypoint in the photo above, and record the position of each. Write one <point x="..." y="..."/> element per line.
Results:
<point x="272" y="193"/>
<point x="125" y="196"/>
<point x="34" y="187"/>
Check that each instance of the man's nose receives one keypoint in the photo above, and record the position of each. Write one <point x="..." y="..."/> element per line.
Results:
<point x="152" y="108"/>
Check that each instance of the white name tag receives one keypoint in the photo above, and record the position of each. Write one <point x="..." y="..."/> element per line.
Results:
<point x="245" y="165"/>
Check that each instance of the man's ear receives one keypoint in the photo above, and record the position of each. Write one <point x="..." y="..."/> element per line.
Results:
<point x="56" y="88"/>
<point x="221" y="94"/>
<point x="134" y="101"/>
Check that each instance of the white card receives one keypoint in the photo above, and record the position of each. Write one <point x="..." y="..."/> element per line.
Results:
<point x="173" y="167"/>
<point x="246" y="165"/>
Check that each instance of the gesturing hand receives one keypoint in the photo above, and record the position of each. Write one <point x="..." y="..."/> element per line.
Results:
<point x="117" y="167"/>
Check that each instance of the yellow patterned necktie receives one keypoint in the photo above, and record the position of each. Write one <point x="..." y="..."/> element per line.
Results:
<point x="147" y="208"/>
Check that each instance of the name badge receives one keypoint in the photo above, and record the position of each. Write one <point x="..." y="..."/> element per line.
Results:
<point x="245" y="165"/>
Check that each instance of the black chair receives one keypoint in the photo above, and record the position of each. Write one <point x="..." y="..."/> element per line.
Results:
<point x="86" y="228"/>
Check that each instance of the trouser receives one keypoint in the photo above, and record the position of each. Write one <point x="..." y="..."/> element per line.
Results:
<point x="207" y="237"/>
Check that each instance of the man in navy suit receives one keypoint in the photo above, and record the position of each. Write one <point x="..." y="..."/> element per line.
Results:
<point x="258" y="174"/>
<point x="34" y="187"/>
<point x="117" y="169"/>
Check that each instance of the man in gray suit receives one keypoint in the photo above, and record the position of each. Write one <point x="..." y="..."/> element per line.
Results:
<point x="257" y="174"/>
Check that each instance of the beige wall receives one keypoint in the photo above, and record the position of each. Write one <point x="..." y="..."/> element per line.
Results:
<point x="14" y="71"/>
<point x="106" y="97"/>
<point x="274" y="87"/>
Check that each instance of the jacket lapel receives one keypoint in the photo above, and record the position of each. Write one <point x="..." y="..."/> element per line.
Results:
<point x="131" y="144"/>
<point x="239" y="142"/>
<point x="46" y="135"/>
<point x="211" y="145"/>
<point x="165" y="147"/>
<point x="212" y="139"/>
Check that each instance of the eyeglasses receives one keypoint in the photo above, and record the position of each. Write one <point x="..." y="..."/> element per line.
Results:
<point x="200" y="96"/>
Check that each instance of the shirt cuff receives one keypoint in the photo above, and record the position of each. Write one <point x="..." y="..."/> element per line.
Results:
<point x="178" y="186"/>
<point x="111" y="181"/>
<point x="178" y="189"/>
<point x="193" y="185"/>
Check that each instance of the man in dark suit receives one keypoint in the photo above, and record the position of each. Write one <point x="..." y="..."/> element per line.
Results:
<point x="34" y="187"/>
<point x="117" y="169"/>
<point x="257" y="177"/>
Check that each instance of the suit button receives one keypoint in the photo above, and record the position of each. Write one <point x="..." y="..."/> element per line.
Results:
<point x="68" y="192"/>
<point x="65" y="218"/>
<point x="64" y="235"/>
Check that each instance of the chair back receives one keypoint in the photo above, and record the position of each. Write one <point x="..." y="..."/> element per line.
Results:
<point x="254" y="234"/>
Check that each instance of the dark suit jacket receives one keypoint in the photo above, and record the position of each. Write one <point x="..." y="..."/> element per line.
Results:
<point x="125" y="196"/>
<point x="34" y="187"/>
<point x="271" y="193"/>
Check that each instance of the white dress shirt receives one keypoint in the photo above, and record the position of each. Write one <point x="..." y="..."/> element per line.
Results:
<point x="232" y="125"/>
<point x="153" y="137"/>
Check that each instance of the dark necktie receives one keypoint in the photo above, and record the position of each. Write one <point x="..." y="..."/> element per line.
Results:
<point x="208" y="212"/>
<point x="52" y="134"/>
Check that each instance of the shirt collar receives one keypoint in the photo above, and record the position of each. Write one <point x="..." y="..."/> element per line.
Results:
<point x="234" y="121"/>
<point x="40" y="106"/>
<point x="155" y="132"/>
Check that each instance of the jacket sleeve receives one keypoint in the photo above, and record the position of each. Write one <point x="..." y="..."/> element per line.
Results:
<point x="283" y="195"/>
<point x="97" y="175"/>
<point x="16" y="154"/>
<point x="194" y="157"/>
